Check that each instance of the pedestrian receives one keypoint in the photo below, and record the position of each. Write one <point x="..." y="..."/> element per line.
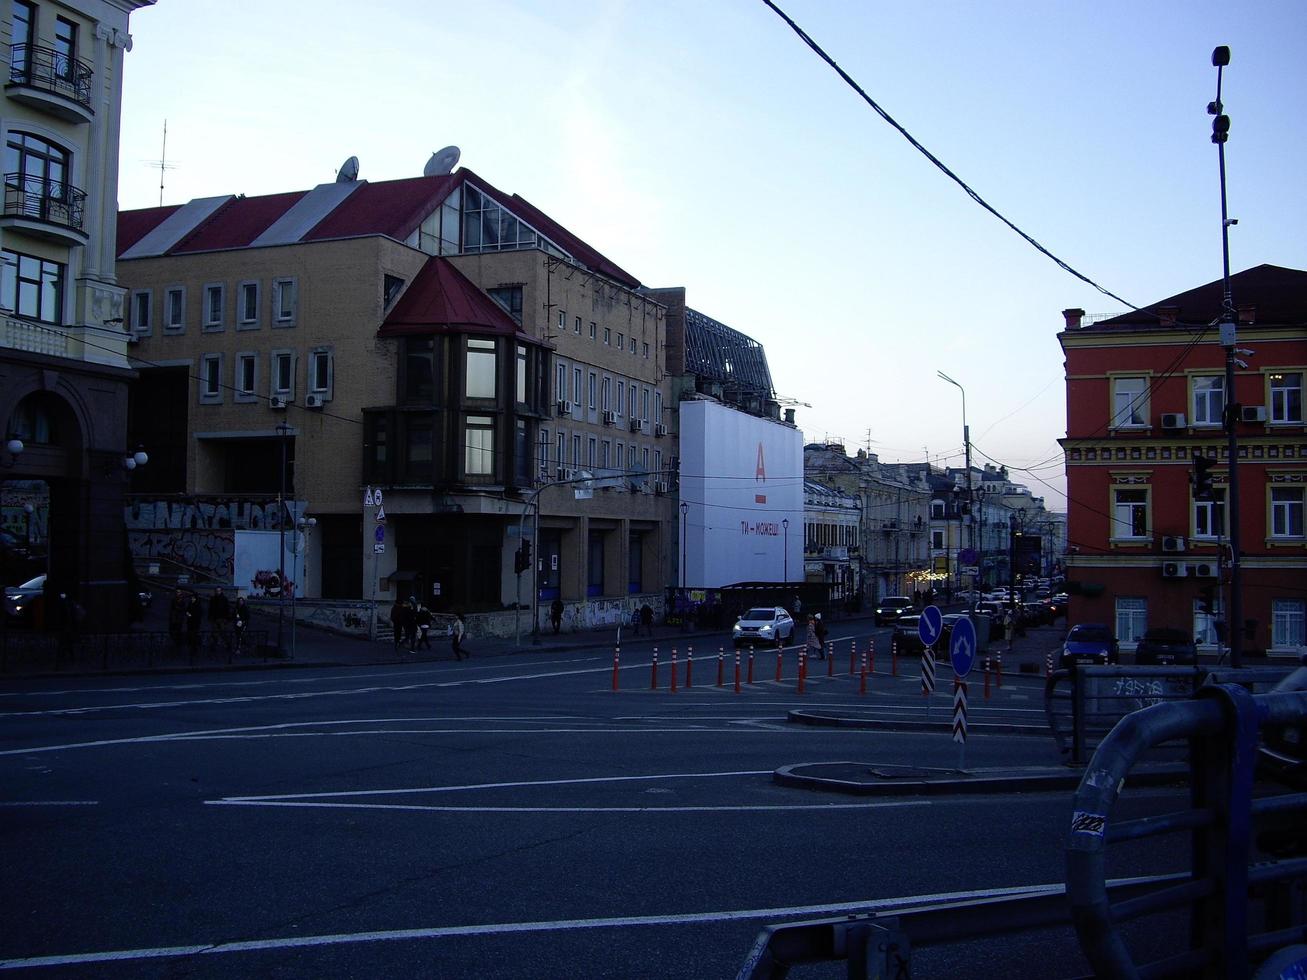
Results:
<point x="556" y="614"/>
<point x="811" y="641"/>
<point x="219" y="612"/>
<point x="821" y="634"/>
<point x="646" y="618"/>
<point x="423" y="617"/>
<point x="456" y="634"/>
<point x="397" y="623"/>
<point x="798" y="606"/>
<point x="240" y="619"/>
<point x="411" y="623"/>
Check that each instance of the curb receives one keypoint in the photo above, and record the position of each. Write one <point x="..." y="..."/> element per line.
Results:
<point x="980" y="781"/>
<point x="806" y="717"/>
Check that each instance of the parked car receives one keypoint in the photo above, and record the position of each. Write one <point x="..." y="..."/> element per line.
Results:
<point x="1034" y="614"/>
<point x="890" y="608"/>
<point x="764" y="626"/>
<point x="23" y="601"/>
<point x="1057" y="605"/>
<point x="1164" y="647"/>
<point x="1088" y="643"/>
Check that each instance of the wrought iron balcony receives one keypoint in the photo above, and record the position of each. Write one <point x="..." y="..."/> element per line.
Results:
<point x="43" y="72"/>
<point x="37" y="204"/>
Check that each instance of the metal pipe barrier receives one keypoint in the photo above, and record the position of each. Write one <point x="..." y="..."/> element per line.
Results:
<point x="1222" y="724"/>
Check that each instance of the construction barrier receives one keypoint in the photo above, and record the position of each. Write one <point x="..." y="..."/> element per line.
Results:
<point x="893" y="658"/>
<point x="1048" y="666"/>
<point x="959" y="710"/>
<point x="871" y="656"/>
<point x="927" y="672"/>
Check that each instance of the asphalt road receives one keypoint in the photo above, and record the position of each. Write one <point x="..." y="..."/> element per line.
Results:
<point x="506" y="817"/>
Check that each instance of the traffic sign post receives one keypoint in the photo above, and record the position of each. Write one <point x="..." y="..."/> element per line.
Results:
<point x="962" y="647"/>
<point x="930" y="626"/>
<point x="927" y="676"/>
<point x="960" y="721"/>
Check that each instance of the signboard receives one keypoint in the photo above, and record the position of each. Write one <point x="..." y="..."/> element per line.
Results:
<point x="968" y="556"/>
<point x="962" y="646"/>
<point x="378" y="549"/>
<point x="960" y="711"/>
<point x="930" y="625"/>
<point x="380" y="533"/>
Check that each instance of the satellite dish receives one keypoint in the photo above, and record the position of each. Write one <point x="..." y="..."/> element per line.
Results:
<point x="349" y="171"/>
<point x="441" y="162"/>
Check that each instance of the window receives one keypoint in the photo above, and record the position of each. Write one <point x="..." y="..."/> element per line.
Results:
<point x="590" y="452"/>
<point x="480" y="378"/>
<point x="23" y="37"/>
<point x="646" y="351"/>
<point x="419" y="384"/>
<point x="591" y="389"/>
<point x="561" y="448"/>
<point x="560" y="382"/>
<point x="631" y="402"/>
<point x="605" y="389"/>
<point x="1287" y="623"/>
<point x="141" y="303"/>
<point x="1205" y="623"/>
<point x="1130" y="514"/>
<point x="576" y="449"/>
<point x="937" y="508"/>
<point x="1286" y="512"/>
<point x="1129" y="402"/>
<point x="284" y="301"/>
<point x="479" y="446"/>
<point x="32" y="287"/>
<point x="1286" y="397"/>
<point x="621" y="397"/>
<point x="65" y="49"/>
<point x="249" y="292"/>
<point x="283" y="374"/>
<point x="576" y="326"/>
<point x="542" y="452"/>
<point x="247" y="375"/>
<point x="658" y="462"/>
<point x="562" y="321"/>
<point x="487" y="227"/>
<point x="937" y="539"/>
<point x="644" y="459"/>
<point x="605" y="451"/>
<point x="608" y="335"/>
<point x="658" y="406"/>
<point x="621" y="341"/>
<point x="213" y="302"/>
<point x="1131" y="619"/>
<point x="36" y="180"/>
<point x="391" y="287"/>
<point x="592" y="330"/>
<point x="632" y="345"/>
<point x="510" y="298"/>
<point x="619" y="459"/>
<point x="320" y="372"/>
<point x="576" y="385"/>
<point x="417" y="446"/>
<point x="438" y="234"/>
<point x="1209" y="516"/>
<point x="211" y="378"/>
<point x="1209" y="400"/>
<point x="174" y="309"/>
<point x="520" y="378"/>
<point x="644" y="404"/>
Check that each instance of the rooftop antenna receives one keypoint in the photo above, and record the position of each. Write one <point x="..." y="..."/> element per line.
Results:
<point x="162" y="163"/>
<point x="442" y="162"/>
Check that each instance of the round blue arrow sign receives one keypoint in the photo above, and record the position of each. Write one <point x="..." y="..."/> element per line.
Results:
<point x="962" y="647"/>
<point x="930" y="625"/>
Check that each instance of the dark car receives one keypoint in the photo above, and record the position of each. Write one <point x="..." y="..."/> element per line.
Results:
<point x="906" y="637"/>
<point x="890" y="608"/>
<point x="1088" y="643"/>
<point x="1034" y="614"/>
<point x="1164" y="647"/>
<point x="22" y="602"/>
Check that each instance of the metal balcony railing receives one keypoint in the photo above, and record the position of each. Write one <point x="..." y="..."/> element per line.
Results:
<point x="51" y="71"/>
<point x="53" y="202"/>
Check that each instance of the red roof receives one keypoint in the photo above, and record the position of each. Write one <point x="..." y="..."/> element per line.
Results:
<point x="443" y="300"/>
<point x="389" y="207"/>
<point x="237" y="223"/>
<point x="1279" y="296"/>
<point x="135" y="225"/>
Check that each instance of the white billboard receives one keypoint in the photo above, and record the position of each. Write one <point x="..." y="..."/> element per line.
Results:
<point x="741" y="496"/>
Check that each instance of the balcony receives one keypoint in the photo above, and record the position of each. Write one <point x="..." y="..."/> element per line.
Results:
<point x="105" y="344"/>
<point x="52" y="82"/>
<point x="44" y="209"/>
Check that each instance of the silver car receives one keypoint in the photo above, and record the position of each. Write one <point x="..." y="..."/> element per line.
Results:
<point x="763" y="626"/>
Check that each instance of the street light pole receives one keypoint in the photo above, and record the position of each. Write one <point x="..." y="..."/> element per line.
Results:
<point x="685" y="509"/>
<point x="283" y="430"/>
<point x="966" y="442"/>
<point x="785" y="554"/>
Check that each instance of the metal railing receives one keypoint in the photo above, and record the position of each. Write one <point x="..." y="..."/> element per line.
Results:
<point x="54" y="202"/>
<point x="52" y="71"/>
<point x="23" y="651"/>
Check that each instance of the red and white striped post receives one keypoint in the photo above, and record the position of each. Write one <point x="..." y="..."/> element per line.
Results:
<point x="830" y="660"/>
<point x="862" y="687"/>
<point x="803" y="669"/>
<point x="721" y="667"/>
<point x="673" y="670"/>
<point x="853" y="657"/>
<point x="617" y="656"/>
<point x="1048" y="666"/>
<point x="871" y="656"/>
<point x="750" y="665"/>
<point x="653" y="682"/>
<point x="893" y="657"/>
<point x="737" y="670"/>
<point x="689" y="667"/>
<point x="986" y="678"/>
<point x="998" y="673"/>
<point x="778" y="663"/>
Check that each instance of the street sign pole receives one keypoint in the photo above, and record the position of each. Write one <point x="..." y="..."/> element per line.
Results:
<point x="929" y="629"/>
<point x="962" y="652"/>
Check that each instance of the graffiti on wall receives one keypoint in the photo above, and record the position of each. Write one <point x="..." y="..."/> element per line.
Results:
<point x="200" y="535"/>
<point x="208" y="552"/>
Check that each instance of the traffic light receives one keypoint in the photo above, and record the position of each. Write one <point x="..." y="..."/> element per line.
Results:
<point x="1201" y="478"/>
<point x="522" y="557"/>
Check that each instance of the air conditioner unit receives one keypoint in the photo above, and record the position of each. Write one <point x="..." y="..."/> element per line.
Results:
<point x="565" y="473"/>
<point x="277" y="402"/>
<point x="610" y="418"/>
<point x="1172" y="542"/>
<point x="1174" y="569"/>
<point x="564" y="407"/>
<point x="1205" y="569"/>
<point x="1173" y="420"/>
<point x="1253" y="413"/>
<point x="660" y="488"/>
<point x="660" y="430"/>
<point x="313" y="401"/>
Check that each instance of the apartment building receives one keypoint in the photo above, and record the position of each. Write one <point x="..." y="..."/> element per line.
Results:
<point x="1146" y="397"/>
<point x="432" y="370"/>
<point x="64" y="371"/>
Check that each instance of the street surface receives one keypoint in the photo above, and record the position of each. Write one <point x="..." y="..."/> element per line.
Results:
<point x="497" y="817"/>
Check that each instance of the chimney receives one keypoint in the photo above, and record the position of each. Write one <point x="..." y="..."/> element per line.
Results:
<point x="1168" y="315"/>
<point x="1073" y="318"/>
<point x="789" y="416"/>
<point x="1248" y="313"/>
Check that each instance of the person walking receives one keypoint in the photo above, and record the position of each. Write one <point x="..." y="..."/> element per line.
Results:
<point x="556" y="614"/>
<point x="411" y="622"/>
<point x="456" y="634"/>
<point x="811" y="644"/>
<point x="821" y="634"/>
<point x="397" y="623"/>
<point x="240" y="620"/>
<point x="219" y="612"/>
<point x="423" y="618"/>
<point x="646" y="618"/>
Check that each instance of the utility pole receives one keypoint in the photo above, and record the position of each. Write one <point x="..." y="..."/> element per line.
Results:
<point x="1220" y="133"/>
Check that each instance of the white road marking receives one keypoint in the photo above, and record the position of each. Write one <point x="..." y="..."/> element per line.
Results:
<point x="886" y="905"/>
<point x="49" y="802"/>
<point x="572" y="809"/>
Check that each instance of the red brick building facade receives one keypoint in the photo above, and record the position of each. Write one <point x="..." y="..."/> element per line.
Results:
<point x="1145" y="395"/>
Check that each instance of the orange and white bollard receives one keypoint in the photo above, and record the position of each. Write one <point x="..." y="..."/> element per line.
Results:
<point x="986" y="678"/>
<point x="862" y="687"/>
<point x="653" y="682"/>
<point x="617" y="656"/>
<point x="871" y="656"/>
<point x="721" y="667"/>
<point x="893" y="658"/>
<point x="803" y="669"/>
<point x="778" y="663"/>
<point x="853" y="657"/>
<point x="998" y="673"/>
<point x="689" y="667"/>
<point x="673" y="670"/>
<point x="750" y="665"/>
<point x="1048" y="666"/>
<point x="737" y="670"/>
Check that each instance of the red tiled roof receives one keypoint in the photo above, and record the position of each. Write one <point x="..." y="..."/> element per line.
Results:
<point x="388" y="207"/>
<point x="1278" y="294"/>
<point x="135" y="225"/>
<point x="237" y="223"/>
<point x="443" y="300"/>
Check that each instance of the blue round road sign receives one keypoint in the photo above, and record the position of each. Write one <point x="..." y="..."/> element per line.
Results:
<point x="930" y="626"/>
<point x="962" y="647"/>
<point x="968" y="556"/>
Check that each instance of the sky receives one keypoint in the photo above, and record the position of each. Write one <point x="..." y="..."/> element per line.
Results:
<point x="701" y="143"/>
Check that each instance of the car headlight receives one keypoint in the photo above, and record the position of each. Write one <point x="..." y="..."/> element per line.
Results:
<point x="764" y="629"/>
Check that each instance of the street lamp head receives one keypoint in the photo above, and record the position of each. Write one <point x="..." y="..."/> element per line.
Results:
<point x="1221" y="56"/>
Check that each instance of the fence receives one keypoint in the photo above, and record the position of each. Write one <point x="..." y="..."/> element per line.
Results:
<point x="27" y="652"/>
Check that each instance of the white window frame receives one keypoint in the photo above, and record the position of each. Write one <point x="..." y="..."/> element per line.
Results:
<point x="210" y="379"/>
<point x="1123" y="530"/>
<point x="1207" y="401"/>
<point x="1281" y="512"/>
<point x="605" y="393"/>
<point x="208" y="321"/>
<point x="240" y="393"/>
<point x="1278" y="407"/>
<point x="140" y="329"/>
<point x="274" y="372"/>
<point x="1205" y="623"/>
<point x="592" y="390"/>
<point x="323" y="388"/>
<point x="242" y="291"/>
<point x="1289" y="624"/>
<point x="169" y="325"/>
<point x="560" y="381"/>
<point x="1212" y="508"/>
<point x="620" y="404"/>
<point x="1130" y="618"/>
<point x="282" y="317"/>
<point x="1127" y="404"/>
